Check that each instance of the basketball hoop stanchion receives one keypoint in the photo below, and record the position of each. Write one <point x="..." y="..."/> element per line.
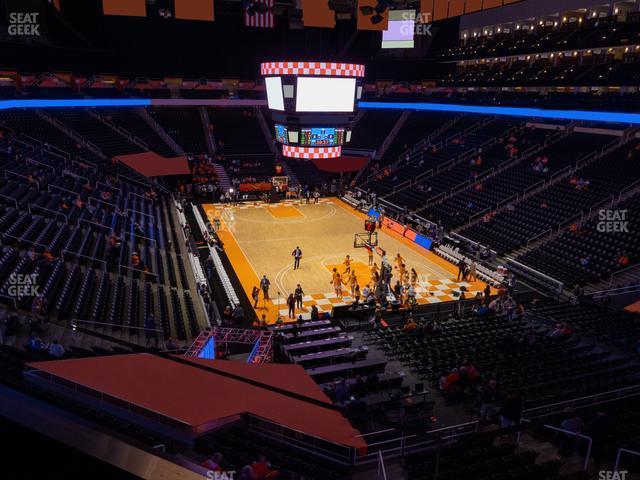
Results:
<point x="278" y="308"/>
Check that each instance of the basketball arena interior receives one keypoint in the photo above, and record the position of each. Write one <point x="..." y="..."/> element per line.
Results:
<point x="320" y="239"/>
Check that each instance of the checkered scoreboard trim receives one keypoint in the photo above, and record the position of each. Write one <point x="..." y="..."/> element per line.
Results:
<point x="311" y="153"/>
<point x="323" y="69"/>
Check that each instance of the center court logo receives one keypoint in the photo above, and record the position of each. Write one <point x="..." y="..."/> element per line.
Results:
<point x="24" y="24"/>
<point x="21" y="285"/>
<point x="610" y="221"/>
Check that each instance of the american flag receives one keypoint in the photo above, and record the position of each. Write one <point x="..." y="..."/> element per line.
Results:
<point x="263" y="20"/>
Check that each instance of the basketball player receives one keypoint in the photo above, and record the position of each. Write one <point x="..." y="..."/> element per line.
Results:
<point x="297" y="255"/>
<point x="353" y="282"/>
<point x="337" y="283"/>
<point x="414" y="277"/>
<point x="370" y="253"/>
<point x="347" y="264"/>
<point x="374" y="272"/>
<point x="399" y="260"/>
<point x="402" y="269"/>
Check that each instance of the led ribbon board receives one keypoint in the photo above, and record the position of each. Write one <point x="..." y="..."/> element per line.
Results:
<point x="594" y="116"/>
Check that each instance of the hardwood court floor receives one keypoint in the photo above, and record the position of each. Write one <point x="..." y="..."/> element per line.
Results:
<point x="260" y="238"/>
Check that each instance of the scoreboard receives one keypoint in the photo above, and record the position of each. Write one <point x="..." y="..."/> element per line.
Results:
<point x="322" y="137"/>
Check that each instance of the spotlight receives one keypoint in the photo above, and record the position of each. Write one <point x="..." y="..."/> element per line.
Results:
<point x="376" y="19"/>
<point x="231" y="190"/>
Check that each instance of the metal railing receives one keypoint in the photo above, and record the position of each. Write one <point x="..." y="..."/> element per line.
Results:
<point x="80" y="255"/>
<point x="623" y="271"/>
<point x="616" y="466"/>
<point x="29" y="180"/>
<point x="323" y="448"/>
<point x="581" y="402"/>
<point x="58" y="214"/>
<point x="587" y="455"/>
<point x="15" y="202"/>
<point x="382" y="471"/>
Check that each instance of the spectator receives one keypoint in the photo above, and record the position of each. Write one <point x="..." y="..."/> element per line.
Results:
<point x="213" y="463"/>
<point x="489" y="399"/>
<point x="572" y="424"/>
<point x="171" y="344"/>
<point x="343" y="392"/>
<point x="36" y="343"/>
<point x="246" y="473"/>
<point x="511" y="410"/>
<point x="315" y="314"/>
<point x="262" y="469"/>
<point x="56" y="350"/>
<point x="238" y="315"/>
<point x="255" y="295"/>
<point x="601" y="428"/>
<point x="150" y="329"/>
<point x="291" y="303"/>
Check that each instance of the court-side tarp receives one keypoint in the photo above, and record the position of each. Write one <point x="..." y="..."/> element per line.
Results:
<point x="197" y="399"/>
<point x="151" y="164"/>
<point x="634" y="307"/>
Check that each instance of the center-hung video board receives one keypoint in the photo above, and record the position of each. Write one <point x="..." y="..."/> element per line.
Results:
<point x="313" y="105"/>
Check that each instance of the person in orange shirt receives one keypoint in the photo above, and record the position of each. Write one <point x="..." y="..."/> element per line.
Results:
<point x="261" y="469"/>
<point x="48" y="256"/>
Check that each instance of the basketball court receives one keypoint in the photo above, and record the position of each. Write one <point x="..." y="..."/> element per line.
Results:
<point x="259" y="240"/>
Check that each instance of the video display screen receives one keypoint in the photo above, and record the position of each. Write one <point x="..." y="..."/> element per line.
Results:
<point x="322" y="137"/>
<point x="281" y="134"/>
<point x="400" y="32"/>
<point x="275" y="98"/>
<point x="322" y="94"/>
